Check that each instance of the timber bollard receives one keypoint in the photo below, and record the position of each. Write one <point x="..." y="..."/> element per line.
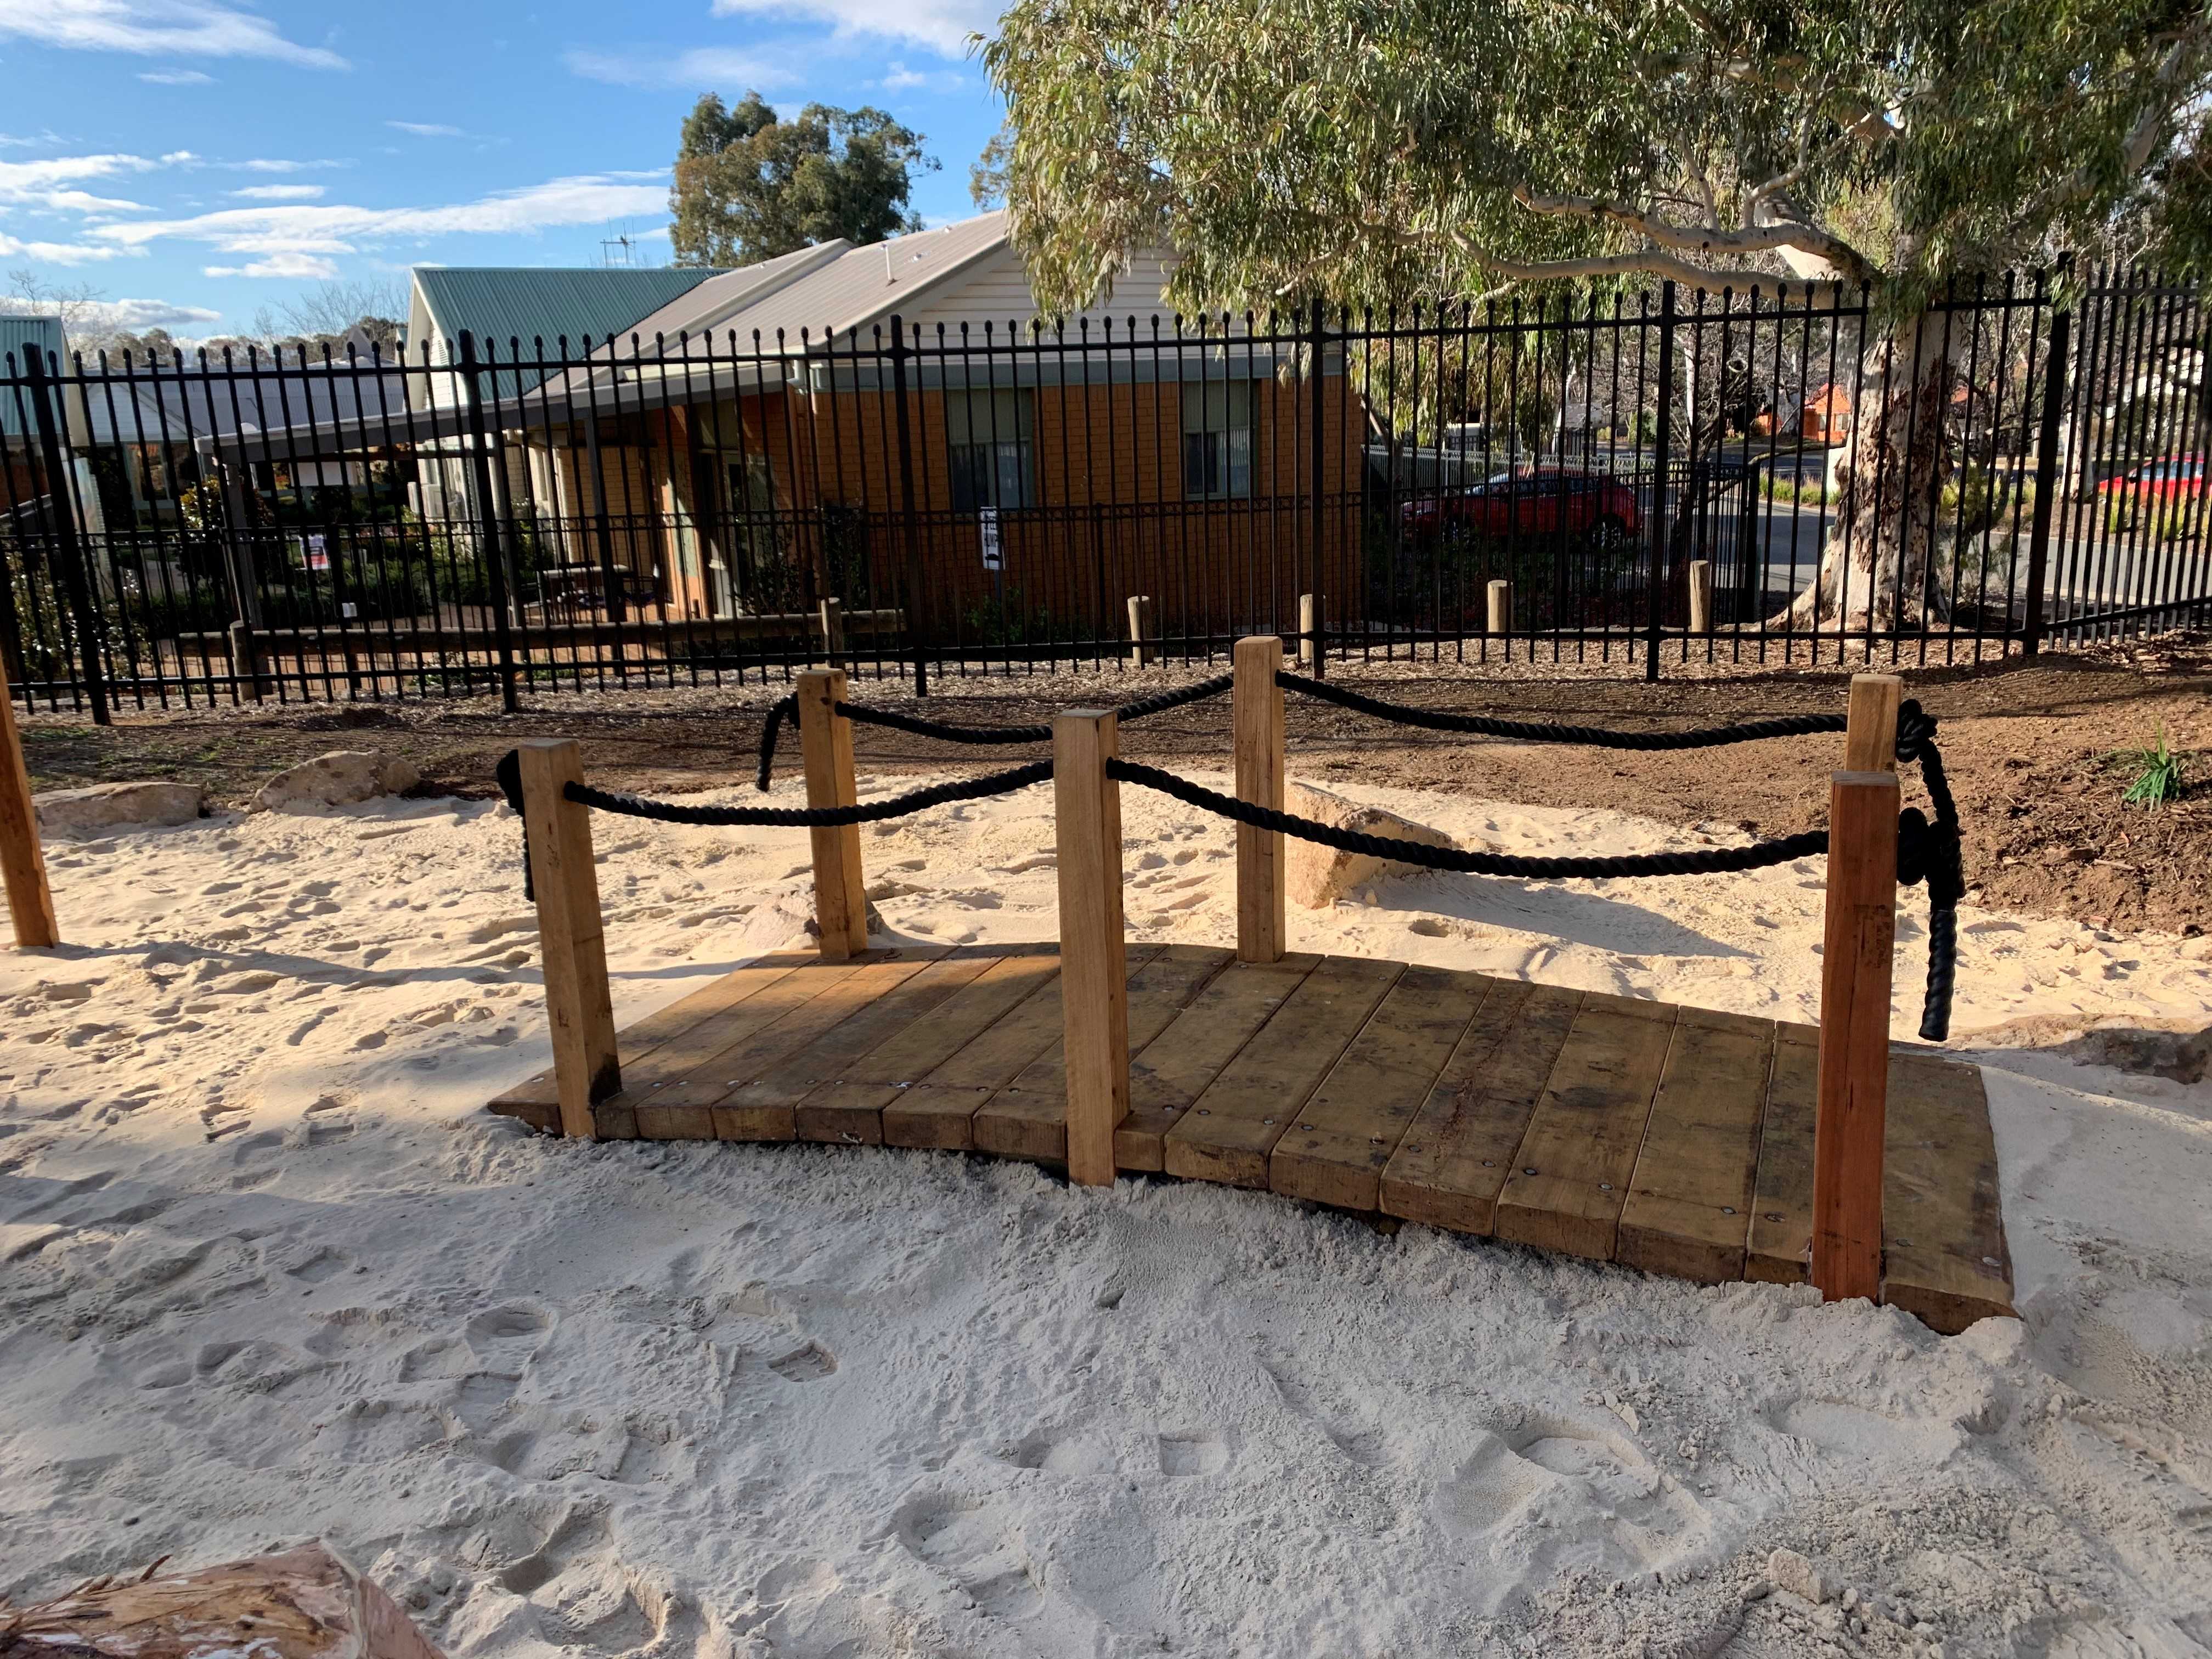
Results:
<point x="1143" y="650"/>
<point x="1701" y="596"/>
<point x="571" y="933"/>
<point x="1258" y="717"/>
<point x="1093" y="962"/>
<point x="1500" y="617"/>
<point x="1855" y="966"/>
<point x="825" y="743"/>
<point x="830" y="625"/>
<point x="22" y="863"/>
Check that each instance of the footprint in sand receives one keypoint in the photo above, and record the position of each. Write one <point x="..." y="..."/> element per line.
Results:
<point x="969" y="1541"/>
<point x="809" y="1363"/>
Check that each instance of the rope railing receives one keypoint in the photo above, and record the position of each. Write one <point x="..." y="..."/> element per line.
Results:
<point x="973" y="736"/>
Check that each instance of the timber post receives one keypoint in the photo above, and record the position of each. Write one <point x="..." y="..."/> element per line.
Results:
<point x="825" y="742"/>
<point x="1093" y="964"/>
<point x="571" y="932"/>
<point x="831" y="626"/>
<point x="1143" y="652"/>
<point x="23" y="864"/>
<point x="1310" y="651"/>
<point x="1855" y="967"/>
<point x="1258" y="717"/>
<point x="1701" y="596"/>
<point x="1499" y="615"/>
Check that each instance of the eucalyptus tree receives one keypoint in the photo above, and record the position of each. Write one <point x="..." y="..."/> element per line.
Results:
<point x="1380" y="150"/>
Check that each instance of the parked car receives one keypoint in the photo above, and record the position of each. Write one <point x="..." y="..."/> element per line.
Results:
<point x="2170" y="477"/>
<point x="1591" y="507"/>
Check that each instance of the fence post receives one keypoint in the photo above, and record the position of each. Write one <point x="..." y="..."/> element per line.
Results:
<point x="825" y="744"/>
<point x="23" y="866"/>
<point x="1258" y="717"/>
<point x="832" y="625"/>
<point x="1499" y="615"/>
<point x="1093" y="970"/>
<point x="1320" y="466"/>
<point x="1855" y="994"/>
<point x="1142" y="653"/>
<point x="1310" y="651"/>
<point x="2046" y="479"/>
<point x="69" y="551"/>
<point x="490" y="546"/>
<point x="910" y="531"/>
<point x="1662" y="459"/>
<point x="1701" y="596"/>
<point x="571" y="933"/>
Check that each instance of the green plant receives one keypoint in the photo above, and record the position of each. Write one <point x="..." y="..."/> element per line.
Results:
<point x="2158" y="777"/>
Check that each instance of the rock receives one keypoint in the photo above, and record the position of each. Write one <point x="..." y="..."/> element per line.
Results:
<point x="2180" y="1055"/>
<point x="80" y="813"/>
<point x="342" y="778"/>
<point x="1788" y="1571"/>
<point x="1317" y="877"/>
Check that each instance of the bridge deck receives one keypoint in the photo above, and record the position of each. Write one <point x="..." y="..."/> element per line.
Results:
<point x="1673" y="1139"/>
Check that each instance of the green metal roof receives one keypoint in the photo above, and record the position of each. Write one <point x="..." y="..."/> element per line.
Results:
<point x="511" y="308"/>
<point x="18" y="334"/>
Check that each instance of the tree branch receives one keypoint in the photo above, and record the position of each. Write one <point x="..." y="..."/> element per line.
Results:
<point x="1756" y="238"/>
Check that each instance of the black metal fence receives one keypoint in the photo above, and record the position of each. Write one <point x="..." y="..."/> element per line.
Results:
<point x="923" y="499"/>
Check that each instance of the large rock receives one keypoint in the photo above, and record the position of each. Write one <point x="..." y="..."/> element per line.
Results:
<point x="342" y="778"/>
<point x="1317" y="877"/>
<point x="76" y="814"/>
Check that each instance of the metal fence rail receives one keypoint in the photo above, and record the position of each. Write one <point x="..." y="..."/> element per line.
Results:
<point x="964" y="498"/>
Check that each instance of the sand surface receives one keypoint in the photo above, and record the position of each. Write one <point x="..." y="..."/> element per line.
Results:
<point x="267" y="1271"/>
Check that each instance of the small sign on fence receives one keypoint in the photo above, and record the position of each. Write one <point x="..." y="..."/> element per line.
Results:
<point x="987" y="524"/>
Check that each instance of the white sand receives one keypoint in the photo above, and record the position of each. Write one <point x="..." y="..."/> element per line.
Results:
<point x="267" y="1272"/>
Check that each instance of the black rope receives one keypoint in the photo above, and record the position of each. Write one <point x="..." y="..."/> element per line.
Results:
<point x="981" y="736"/>
<point x="1936" y="853"/>
<point x="1595" y="737"/>
<point x="1710" y="861"/>
<point x="508" y="775"/>
<point x="895" y="806"/>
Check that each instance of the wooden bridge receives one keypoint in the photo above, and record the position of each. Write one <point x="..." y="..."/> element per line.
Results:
<point x="1707" y="1146"/>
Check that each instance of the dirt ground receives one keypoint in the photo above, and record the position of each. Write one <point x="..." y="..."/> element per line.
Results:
<point x="2028" y="745"/>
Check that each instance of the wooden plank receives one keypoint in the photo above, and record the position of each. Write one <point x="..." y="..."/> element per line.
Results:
<point x="1452" y="1163"/>
<point x="765" y="1107"/>
<point x="23" y="865"/>
<point x="572" y="947"/>
<point x="1171" y="1072"/>
<point x="1261" y="932"/>
<point x="1228" y="1133"/>
<point x="638" y="1041"/>
<point x="1688" y="1208"/>
<point x="1778" y="1250"/>
<point x="1856" y="957"/>
<point x="1028" y="1118"/>
<point x="1094" y="981"/>
<point x="1336" y="1151"/>
<point x="1870" y="723"/>
<point x="1565" y="1189"/>
<point x="1945" y="1256"/>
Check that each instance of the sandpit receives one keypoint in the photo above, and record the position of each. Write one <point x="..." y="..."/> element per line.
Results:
<point x="270" y="1272"/>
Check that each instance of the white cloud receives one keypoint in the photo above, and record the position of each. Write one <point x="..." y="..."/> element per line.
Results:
<point x="694" y="70"/>
<point x="427" y="129"/>
<point x="29" y="140"/>
<point x="44" y="183"/>
<point x="176" y="77"/>
<point x="300" y="267"/>
<point x="899" y="78"/>
<point x="269" y="164"/>
<point x="279" y="192"/>
<point x="189" y="29"/>
<point x="57" y="254"/>
<point x="332" y="227"/>
<point x="941" y="25"/>
<point x="112" y="316"/>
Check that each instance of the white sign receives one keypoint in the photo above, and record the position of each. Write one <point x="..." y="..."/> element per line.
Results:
<point x="987" y="521"/>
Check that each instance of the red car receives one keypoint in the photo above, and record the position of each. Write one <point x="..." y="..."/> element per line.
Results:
<point x="2170" y="477"/>
<point x="1592" y="507"/>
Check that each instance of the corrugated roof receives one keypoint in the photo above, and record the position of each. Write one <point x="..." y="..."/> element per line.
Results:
<point x="18" y="334"/>
<point x="513" y="307"/>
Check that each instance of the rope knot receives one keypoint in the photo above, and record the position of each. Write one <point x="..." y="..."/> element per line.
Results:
<point x="1916" y="730"/>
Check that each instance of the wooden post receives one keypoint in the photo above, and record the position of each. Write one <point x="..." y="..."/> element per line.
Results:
<point x="825" y="741"/>
<point x="1701" y="596"/>
<point x="1259" y="722"/>
<point x="1311" y="657"/>
<point x="1501" y="607"/>
<point x="1093" y="972"/>
<point x="23" y="865"/>
<point x="832" y="628"/>
<point x="571" y="934"/>
<point x="1142" y="653"/>
<point x="1855" y="995"/>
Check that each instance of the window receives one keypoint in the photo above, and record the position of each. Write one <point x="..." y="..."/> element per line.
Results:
<point x="1217" y="439"/>
<point x="989" y="433"/>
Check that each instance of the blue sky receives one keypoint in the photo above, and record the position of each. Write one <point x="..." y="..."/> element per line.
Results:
<point x="196" y="160"/>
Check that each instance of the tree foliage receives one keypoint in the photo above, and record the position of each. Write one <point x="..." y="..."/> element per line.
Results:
<point x="751" y="186"/>
<point x="1384" y="150"/>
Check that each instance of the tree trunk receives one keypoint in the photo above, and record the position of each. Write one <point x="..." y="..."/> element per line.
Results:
<point x="1878" y="570"/>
